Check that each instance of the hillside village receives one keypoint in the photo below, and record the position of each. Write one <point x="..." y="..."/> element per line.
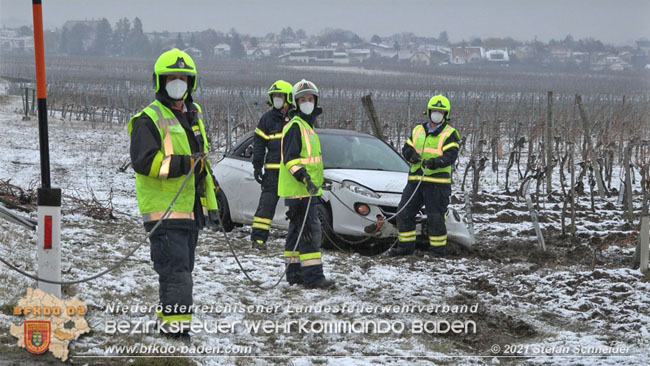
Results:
<point x="329" y="47"/>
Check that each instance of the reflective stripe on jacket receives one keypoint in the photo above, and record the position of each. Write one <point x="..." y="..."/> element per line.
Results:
<point x="431" y="147"/>
<point x="155" y="190"/>
<point x="310" y="158"/>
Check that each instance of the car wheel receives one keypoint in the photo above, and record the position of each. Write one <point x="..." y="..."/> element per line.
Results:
<point x="326" y="226"/>
<point x="224" y="211"/>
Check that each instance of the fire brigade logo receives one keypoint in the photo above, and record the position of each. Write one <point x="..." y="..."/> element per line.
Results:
<point x="50" y="323"/>
<point x="37" y="336"/>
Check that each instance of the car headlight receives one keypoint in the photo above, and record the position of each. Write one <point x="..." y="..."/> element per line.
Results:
<point x="359" y="189"/>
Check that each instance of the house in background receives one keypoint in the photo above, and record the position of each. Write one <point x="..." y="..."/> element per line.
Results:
<point x="222" y="50"/>
<point x="310" y="55"/>
<point x="258" y="53"/>
<point x="194" y="52"/>
<point x="497" y="55"/>
<point x="420" y="58"/>
<point x="466" y="55"/>
<point x="358" y="55"/>
<point x="341" y="58"/>
<point x="560" y="53"/>
<point x="290" y="46"/>
<point x="12" y="42"/>
<point x="382" y="50"/>
<point x="403" y="56"/>
<point x="525" y="53"/>
<point x="643" y="45"/>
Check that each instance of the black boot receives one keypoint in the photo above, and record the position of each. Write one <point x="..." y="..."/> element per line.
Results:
<point x="164" y="330"/>
<point x="400" y="250"/>
<point x="314" y="277"/>
<point x="437" y="252"/>
<point x="323" y="283"/>
<point x="294" y="275"/>
<point x="258" y="244"/>
<point x="181" y="336"/>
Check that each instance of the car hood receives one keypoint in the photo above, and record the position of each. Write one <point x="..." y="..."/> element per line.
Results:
<point x="379" y="181"/>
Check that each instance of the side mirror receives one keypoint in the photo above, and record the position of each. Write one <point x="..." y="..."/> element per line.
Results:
<point x="248" y="152"/>
<point x="327" y="185"/>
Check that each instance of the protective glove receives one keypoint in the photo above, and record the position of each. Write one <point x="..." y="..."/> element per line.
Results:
<point x="311" y="187"/>
<point x="258" y="175"/>
<point x="415" y="158"/>
<point x="200" y="167"/>
<point x="213" y="220"/>
<point x="430" y="164"/>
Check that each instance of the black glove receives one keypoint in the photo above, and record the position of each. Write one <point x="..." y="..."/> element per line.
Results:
<point x="258" y="175"/>
<point x="213" y="220"/>
<point x="430" y="164"/>
<point x="311" y="187"/>
<point x="200" y="167"/>
<point x="415" y="158"/>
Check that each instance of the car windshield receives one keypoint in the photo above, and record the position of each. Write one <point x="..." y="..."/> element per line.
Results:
<point x="359" y="152"/>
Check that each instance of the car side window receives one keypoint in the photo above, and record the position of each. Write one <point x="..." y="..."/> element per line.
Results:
<point x="248" y="152"/>
<point x="244" y="151"/>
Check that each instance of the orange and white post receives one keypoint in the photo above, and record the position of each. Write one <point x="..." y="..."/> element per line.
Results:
<point x="49" y="199"/>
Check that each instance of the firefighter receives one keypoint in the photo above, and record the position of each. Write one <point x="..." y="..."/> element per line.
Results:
<point x="266" y="153"/>
<point x="433" y="146"/>
<point x="301" y="177"/>
<point x="167" y="138"/>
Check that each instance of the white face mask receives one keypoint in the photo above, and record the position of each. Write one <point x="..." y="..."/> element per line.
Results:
<point x="278" y="103"/>
<point x="176" y="89"/>
<point x="307" y="108"/>
<point x="436" y="117"/>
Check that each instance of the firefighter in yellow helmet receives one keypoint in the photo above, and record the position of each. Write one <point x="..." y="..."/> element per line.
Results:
<point x="431" y="149"/>
<point x="167" y="138"/>
<point x="301" y="177"/>
<point x="266" y="154"/>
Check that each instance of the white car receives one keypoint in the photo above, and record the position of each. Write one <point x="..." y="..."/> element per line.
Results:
<point x="364" y="179"/>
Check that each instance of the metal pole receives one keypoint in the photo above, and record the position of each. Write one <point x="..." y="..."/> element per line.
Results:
<point x="33" y="100"/>
<point x="248" y="108"/>
<point x="26" y="103"/>
<point x="49" y="199"/>
<point x="549" y="143"/>
<point x="533" y="216"/>
<point x="643" y="244"/>
<point x="468" y="215"/>
<point x="228" y="130"/>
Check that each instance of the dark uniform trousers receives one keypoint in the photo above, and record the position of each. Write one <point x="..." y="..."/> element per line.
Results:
<point x="309" y="243"/>
<point x="435" y="198"/>
<point x="172" y="252"/>
<point x="266" y="206"/>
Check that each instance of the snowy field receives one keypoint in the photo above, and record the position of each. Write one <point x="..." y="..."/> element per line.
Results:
<point x="565" y="306"/>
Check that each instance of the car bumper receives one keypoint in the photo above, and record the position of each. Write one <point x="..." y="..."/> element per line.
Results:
<point x="347" y="221"/>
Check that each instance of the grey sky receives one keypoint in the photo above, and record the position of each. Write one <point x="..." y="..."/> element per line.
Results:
<point x="613" y="21"/>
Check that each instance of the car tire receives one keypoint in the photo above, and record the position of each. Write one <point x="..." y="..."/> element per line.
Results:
<point x="224" y="211"/>
<point x="325" y="218"/>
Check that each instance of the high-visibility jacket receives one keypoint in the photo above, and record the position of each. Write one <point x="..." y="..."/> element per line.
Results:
<point x="266" y="142"/>
<point x="310" y="158"/>
<point x="431" y="147"/>
<point x="155" y="191"/>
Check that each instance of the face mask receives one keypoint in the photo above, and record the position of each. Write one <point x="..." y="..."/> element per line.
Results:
<point x="176" y="89"/>
<point x="307" y="108"/>
<point x="436" y="117"/>
<point x="278" y="103"/>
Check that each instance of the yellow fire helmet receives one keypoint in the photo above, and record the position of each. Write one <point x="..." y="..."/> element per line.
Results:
<point x="174" y="62"/>
<point x="281" y="87"/>
<point x="439" y="103"/>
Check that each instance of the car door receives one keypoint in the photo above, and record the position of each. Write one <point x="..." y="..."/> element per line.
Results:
<point x="243" y="193"/>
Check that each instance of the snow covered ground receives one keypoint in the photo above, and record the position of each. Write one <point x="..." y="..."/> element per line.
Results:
<point x="575" y="304"/>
